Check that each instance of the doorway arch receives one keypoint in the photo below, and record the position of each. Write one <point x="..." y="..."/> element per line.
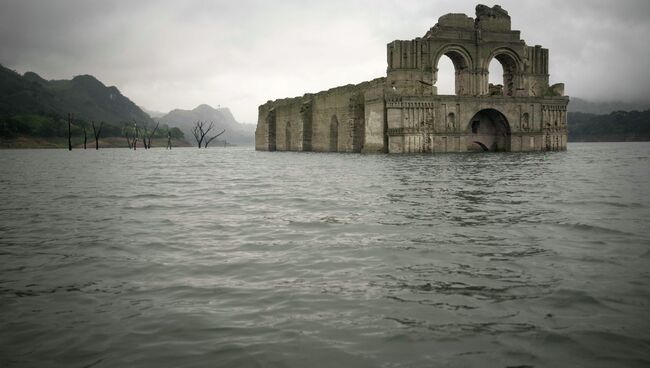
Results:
<point x="488" y="130"/>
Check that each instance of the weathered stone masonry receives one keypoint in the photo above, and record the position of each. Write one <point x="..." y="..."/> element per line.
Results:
<point x="403" y="112"/>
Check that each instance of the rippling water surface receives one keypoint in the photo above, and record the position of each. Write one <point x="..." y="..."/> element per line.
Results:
<point x="231" y="257"/>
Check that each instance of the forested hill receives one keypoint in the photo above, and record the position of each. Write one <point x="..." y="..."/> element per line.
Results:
<point x="618" y="126"/>
<point x="33" y="113"/>
<point x="84" y="96"/>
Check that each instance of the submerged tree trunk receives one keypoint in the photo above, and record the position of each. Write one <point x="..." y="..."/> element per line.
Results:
<point x="135" y="137"/>
<point x="85" y="137"/>
<point x="169" y="140"/>
<point x="198" y="134"/>
<point x="128" y="140"/>
<point x="146" y="137"/>
<point x="97" y="133"/>
<point x="153" y="132"/>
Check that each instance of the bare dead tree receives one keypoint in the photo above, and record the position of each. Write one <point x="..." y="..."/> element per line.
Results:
<point x="85" y="137"/>
<point x="197" y="132"/>
<point x="200" y="131"/>
<point x="69" y="132"/>
<point x="153" y="132"/>
<point x="136" y="134"/>
<point x="125" y="131"/>
<point x="146" y="138"/>
<point x="128" y="139"/>
<point x="96" y="133"/>
<point x="144" y="135"/>
<point x="210" y="140"/>
<point x="169" y="140"/>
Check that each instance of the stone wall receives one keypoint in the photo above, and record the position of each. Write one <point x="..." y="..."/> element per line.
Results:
<point x="328" y="121"/>
<point x="444" y="123"/>
<point x="403" y="113"/>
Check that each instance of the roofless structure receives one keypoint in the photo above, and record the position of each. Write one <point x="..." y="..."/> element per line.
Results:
<point x="403" y="112"/>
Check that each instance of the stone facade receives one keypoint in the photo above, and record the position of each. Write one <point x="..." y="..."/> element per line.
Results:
<point x="403" y="113"/>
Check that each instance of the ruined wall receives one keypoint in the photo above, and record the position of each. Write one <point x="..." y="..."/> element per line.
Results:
<point x="554" y="126"/>
<point x="403" y="113"/>
<point x="471" y="44"/>
<point x="444" y="123"/>
<point x="328" y="121"/>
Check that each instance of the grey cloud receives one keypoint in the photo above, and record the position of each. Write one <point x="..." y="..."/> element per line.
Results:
<point x="167" y="54"/>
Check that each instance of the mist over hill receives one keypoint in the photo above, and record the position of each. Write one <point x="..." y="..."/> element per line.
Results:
<point x="153" y="113"/>
<point x="577" y="104"/>
<point x="236" y="133"/>
<point x="608" y="121"/>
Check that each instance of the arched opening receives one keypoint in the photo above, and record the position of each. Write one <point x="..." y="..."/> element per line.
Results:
<point x="287" y="136"/>
<point x="446" y="77"/>
<point x="475" y="125"/>
<point x="495" y="78"/>
<point x="488" y="130"/>
<point x="334" y="134"/>
<point x="503" y="72"/>
<point x="461" y="63"/>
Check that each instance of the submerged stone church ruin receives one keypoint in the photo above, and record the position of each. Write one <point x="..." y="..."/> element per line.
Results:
<point x="403" y="112"/>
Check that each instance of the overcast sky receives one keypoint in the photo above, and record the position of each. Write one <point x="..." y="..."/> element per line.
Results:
<point x="239" y="54"/>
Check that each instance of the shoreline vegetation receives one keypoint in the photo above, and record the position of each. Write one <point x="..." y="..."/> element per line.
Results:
<point x="33" y="114"/>
<point x="617" y="126"/>
<point x="23" y="141"/>
<point x="38" y="131"/>
<point x="35" y="131"/>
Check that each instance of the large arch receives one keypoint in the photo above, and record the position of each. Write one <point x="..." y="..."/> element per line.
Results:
<point x="512" y="66"/>
<point x="488" y="130"/>
<point x="463" y="64"/>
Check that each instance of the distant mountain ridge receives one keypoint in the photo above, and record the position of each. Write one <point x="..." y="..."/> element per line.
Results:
<point x="153" y="113"/>
<point x="84" y="96"/>
<point x="577" y="104"/>
<point x="618" y="126"/>
<point x="236" y="133"/>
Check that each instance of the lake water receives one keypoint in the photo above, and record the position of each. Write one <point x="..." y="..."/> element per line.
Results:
<point x="236" y="258"/>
